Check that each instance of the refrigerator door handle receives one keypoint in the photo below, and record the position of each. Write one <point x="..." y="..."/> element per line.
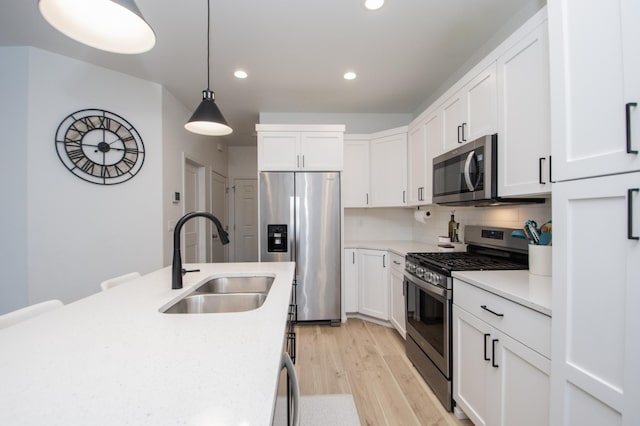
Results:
<point x="292" y="225"/>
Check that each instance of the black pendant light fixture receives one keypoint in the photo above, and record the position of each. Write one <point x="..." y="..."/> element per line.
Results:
<point x="112" y="25"/>
<point x="207" y="118"/>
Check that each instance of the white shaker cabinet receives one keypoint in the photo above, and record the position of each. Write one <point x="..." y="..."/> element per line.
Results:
<point x="300" y="148"/>
<point x="501" y="375"/>
<point x="425" y="142"/>
<point x="356" y="174"/>
<point x="472" y="111"/>
<point x="524" y="143"/>
<point x="596" y="291"/>
<point x="350" y="280"/>
<point x="396" y="294"/>
<point x="373" y="273"/>
<point x="595" y="87"/>
<point x="389" y="168"/>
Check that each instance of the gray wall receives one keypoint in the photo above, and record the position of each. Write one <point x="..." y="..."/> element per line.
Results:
<point x="355" y="123"/>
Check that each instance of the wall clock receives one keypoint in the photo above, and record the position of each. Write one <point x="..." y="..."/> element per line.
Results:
<point x="99" y="146"/>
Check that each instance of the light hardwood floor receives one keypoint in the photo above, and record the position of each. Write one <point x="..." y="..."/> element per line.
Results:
<point x="368" y="361"/>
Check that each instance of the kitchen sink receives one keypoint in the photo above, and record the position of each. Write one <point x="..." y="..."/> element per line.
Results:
<point x="217" y="303"/>
<point x="223" y="285"/>
<point x="224" y="295"/>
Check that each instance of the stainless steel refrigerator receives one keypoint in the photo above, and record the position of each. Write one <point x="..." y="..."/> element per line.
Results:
<point x="300" y="222"/>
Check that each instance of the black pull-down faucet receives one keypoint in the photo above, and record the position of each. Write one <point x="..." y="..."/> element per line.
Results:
<point x="177" y="272"/>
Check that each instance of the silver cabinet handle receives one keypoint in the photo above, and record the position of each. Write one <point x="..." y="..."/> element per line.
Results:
<point x="353" y="254"/>
<point x="384" y="260"/>
<point x="396" y="262"/>
<point x="367" y="194"/>
<point x="298" y="161"/>
<point x="303" y="161"/>
<point x="463" y="139"/>
<point x="404" y="196"/>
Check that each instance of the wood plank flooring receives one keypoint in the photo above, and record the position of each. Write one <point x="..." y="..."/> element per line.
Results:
<point x="368" y="361"/>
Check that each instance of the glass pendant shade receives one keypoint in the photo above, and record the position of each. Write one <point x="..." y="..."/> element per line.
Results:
<point x="207" y="118"/>
<point x="112" y="25"/>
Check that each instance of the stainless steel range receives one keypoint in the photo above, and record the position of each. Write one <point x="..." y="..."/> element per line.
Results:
<point x="429" y="294"/>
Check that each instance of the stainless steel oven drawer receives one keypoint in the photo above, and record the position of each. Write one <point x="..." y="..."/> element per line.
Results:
<point x="524" y="324"/>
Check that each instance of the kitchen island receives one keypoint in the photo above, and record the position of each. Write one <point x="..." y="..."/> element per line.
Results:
<point x="113" y="358"/>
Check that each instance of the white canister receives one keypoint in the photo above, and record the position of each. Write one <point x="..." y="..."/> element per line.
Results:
<point x="540" y="260"/>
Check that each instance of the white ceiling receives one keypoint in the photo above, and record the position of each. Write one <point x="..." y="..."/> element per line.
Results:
<point x="295" y="51"/>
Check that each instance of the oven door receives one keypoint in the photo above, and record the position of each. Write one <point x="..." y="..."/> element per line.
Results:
<point x="428" y="315"/>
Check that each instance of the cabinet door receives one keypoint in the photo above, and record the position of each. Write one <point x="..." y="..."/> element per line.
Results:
<point x="417" y="167"/>
<point x="524" y="135"/>
<point x="397" y="316"/>
<point x="520" y="371"/>
<point x="351" y="280"/>
<point x="389" y="171"/>
<point x="278" y="151"/>
<point x="454" y="114"/>
<point x="471" y="363"/>
<point x="373" y="272"/>
<point x="482" y="109"/>
<point x="355" y="177"/>
<point x="595" y="266"/>
<point x="321" y="151"/>
<point x="594" y="75"/>
<point x="434" y="142"/>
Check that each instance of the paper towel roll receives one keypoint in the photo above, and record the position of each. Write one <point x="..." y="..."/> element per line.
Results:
<point x="420" y="216"/>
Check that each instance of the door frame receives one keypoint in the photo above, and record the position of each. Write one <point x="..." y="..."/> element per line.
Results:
<point x="232" y="212"/>
<point x="225" y="207"/>
<point x="203" y="226"/>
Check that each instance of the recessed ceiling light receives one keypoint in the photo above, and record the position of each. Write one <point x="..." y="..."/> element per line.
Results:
<point x="240" y="74"/>
<point x="373" y="4"/>
<point x="349" y="75"/>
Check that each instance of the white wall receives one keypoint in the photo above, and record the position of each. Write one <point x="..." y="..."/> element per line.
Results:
<point x="355" y="123"/>
<point x="378" y="224"/>
<point x="178" y="143"/>
<point x="81" y="233"/>
<point x="243" y="162"/>
<point x="14" y="63"/>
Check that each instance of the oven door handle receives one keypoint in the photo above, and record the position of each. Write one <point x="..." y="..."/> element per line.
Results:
<point x="435" y="290"/>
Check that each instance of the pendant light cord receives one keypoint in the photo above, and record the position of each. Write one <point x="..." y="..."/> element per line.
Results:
<point x="208" y="40"/>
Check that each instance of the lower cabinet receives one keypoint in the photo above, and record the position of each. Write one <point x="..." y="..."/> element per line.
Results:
<point x="498" y="380"/>
<point x="396" y="294"/>
<point x="351" y="280"/>
<point x="373" y="274"/>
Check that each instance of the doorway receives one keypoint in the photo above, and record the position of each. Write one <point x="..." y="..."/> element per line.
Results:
<point x="194" y="248"/>
<point x="219" y="210"/>
<point x="245" y="216"/>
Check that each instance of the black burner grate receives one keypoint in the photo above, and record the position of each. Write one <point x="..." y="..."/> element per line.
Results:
<point x="463" y="261"/>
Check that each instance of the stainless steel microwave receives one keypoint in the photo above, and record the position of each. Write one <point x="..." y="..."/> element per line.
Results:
<point x="468" y="175"/>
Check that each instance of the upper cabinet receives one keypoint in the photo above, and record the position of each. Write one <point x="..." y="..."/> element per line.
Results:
<point x="523" y="116"/>
<point x="389" y="168"/>
<point x="595" y="84"/>
<point x="375" y="169"/>
<point x="471" y="112"/>
<point x="425" y="142"/>
<point x="300" y="148"/>
<point x="355" y="177"/>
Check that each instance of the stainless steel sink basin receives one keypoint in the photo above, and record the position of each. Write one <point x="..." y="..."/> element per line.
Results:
<point x="258" y="284"/>
<point x="223" y="295"/>
<point x="217" y="303"/>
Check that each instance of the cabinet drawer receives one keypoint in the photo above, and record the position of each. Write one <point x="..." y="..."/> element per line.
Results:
<point x="526" y="325"/>
<point x="397" y="262"/>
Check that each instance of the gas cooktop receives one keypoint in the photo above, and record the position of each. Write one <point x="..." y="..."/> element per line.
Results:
<point x="464" y="261"/>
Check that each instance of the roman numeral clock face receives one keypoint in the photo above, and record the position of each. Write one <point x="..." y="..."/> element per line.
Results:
<point x="99" y="146"/>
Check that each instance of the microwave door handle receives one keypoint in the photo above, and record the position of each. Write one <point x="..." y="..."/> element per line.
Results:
<point x="467" y="171"/>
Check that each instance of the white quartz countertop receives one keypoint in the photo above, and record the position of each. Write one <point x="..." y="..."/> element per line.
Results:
<point x="399" y="247"/>
<point x="532" y="291"/>
<point x="114" y="359"/>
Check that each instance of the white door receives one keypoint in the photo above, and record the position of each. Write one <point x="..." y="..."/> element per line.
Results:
<point x="279" y="151"/>
<point x="219" y="210"/>
<point x="595" y="63"/>
<point x="595" y="293"/>
<point x="350" y="280"/>
<point x="355" y="177"/>
<point x="245" y="211"/>
<point x="374" y="283"/>
<point x="435" y="145"/>
<point x="454" y="114"/>
<point x="194" y="247"/>
<point x="416" y="163"/>
<point x="523" y="135"/>
<point x="389" y="171"/>
<point x="482" y="108"/>
<point x="321" y="151"/>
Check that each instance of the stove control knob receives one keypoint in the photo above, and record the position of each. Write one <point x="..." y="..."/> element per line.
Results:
<point x="437" y="280"/>
<point x="419" y="271"/>
<point x="430" y="277"/>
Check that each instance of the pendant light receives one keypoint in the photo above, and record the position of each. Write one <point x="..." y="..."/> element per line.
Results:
<point x="113" y="25"/>
<point x="207" y="118"/>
